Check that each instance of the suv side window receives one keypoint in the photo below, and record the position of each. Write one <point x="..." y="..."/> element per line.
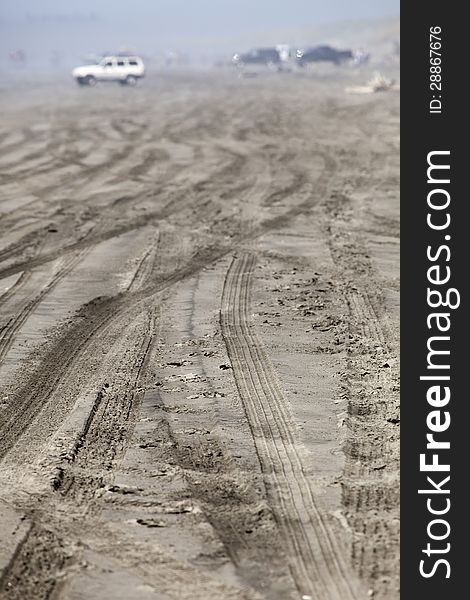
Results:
<point x="108" y="63"/>
<point x="133" y="62"/>
<point x="120" y="63"/>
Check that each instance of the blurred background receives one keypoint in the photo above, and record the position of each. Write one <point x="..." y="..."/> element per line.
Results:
<point x="46" y="35"/>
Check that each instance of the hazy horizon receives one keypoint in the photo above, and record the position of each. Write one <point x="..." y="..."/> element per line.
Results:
<point x="206" y="27"/>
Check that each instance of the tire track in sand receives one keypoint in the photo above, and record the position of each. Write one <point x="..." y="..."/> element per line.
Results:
<point x="10" y="329"/>
<point x="317" y="565"/>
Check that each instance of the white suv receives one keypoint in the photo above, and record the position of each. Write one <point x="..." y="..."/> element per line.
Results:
<point x="125" y="69"/>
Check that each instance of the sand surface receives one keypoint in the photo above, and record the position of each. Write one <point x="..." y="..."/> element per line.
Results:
<point x="199" y="304"/>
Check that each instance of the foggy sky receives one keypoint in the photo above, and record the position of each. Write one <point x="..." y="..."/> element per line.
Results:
<point x="79" y="26"/>
<point x="209" y="15"/>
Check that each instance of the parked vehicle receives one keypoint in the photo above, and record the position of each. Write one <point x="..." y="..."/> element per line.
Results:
<point x="127" y="70"/>
<point x="258" y="56"/>
<point x="323" y="54"/>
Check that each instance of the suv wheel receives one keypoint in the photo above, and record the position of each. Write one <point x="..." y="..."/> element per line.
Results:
<point x="272" y="66"/>
<point x="130" y="80"/>
<point x="91" y="81"/>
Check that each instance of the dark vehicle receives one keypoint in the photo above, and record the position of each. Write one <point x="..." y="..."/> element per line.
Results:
<point x="323" y="54"/>
<point x="258" y="56"/>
